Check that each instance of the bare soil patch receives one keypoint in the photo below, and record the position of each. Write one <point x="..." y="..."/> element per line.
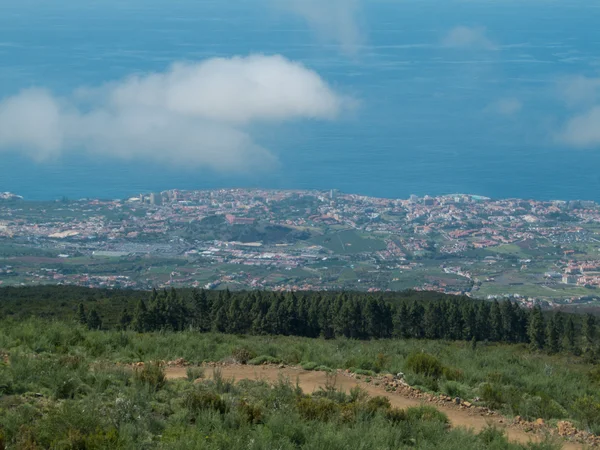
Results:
<point x="310" y="381"/>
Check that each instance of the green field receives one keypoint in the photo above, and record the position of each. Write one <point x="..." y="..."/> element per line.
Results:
<point x="348" y="242"/>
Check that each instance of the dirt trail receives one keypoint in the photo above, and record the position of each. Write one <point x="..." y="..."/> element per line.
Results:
<point x="310" y="381"/>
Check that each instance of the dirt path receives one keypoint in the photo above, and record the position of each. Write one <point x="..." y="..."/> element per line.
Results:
<point x="310" y="381"/>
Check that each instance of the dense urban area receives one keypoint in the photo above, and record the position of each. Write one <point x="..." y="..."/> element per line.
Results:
<point x="531" y="251"/>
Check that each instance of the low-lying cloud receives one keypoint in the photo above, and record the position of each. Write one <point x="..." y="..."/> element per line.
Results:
<point x="474" y="38"/>
<point x="333" y="20"/>
<point x="580" y="90"/>
<point x="583" y="128"/>
<point x="506" y="106"/>
<point x="193" y="114"/>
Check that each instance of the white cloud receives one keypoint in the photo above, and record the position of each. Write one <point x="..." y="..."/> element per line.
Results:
<point x="469" y="38"/>
<point x="580" y="90"/>
<point x="583" y="130"/>
<point x="192" y="114"/>
<point x="505" y="106"/>
<point x="333" y="20"/>
<point x="581" y="94"/>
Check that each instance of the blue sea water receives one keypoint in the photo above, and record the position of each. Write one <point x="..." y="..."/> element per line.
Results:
<point x="423" y="124"/>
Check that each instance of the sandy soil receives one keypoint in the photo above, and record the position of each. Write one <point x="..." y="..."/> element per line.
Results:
<point x="310" y="381"/>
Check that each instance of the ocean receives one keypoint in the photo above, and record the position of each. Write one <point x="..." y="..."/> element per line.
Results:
<point x="480" y="117"/>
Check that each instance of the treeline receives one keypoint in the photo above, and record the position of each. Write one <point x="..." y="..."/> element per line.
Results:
<point x="357" y="316"/>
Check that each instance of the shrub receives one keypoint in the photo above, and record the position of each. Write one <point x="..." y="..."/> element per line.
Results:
<point x="534" y="406"/>
<point x="455" y="389"/>
<point x="426" y="414"/>
<point x="368" y="373"/>
<point x="309" y="365"/>
<point x="452" y="374"/>
<point x="381" y="362"/>
<point x="242" y="355"/>
<point x="200" y="400"/>
<point x="594" y="375"/>
<point x="151" y="374"/>
<point x="322" y="409"/>
<point x="251" y="414"/>
<point x="492" y="395"/>
<point x="396" y="415"/>
<point x="358" y="394"/>
<point x="194" y="373"/>
<point x="424" y="364"/>
<point x="491" y="434"/>
<point x="587" y="410"/>
<point x="6" y="382"/>
<point x="222" y="385"/>
<point x="264" y="359"/>
<point x="374" y="404"/>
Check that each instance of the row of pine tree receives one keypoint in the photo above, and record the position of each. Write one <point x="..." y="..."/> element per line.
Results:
<point x="357" y="315"/>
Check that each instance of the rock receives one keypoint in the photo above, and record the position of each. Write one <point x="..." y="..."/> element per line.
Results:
<point x="282" y="366"/>
<point x="540" y="422"/>
<point x="518" y="419"/>
<point x="467" y="404"/>
<point x="566" y="428"/>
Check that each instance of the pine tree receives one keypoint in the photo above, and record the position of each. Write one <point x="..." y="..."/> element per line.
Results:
<point x="201" y="310"/>
<point x="220" y="322"/>
<point x="235" y="317"/>
<point x="496" y="323"/>
<point x="415" y="320"/>
<point x="536" y="330"/>
<point x="326" y="322"/>
<point x="552" y="336"/>
<point x="401" y="322"/>
<point x="483" y="321"/>
<point x="314" y="312"/>
<point x="470" y="321"/>
<point x="589" y="331"/>
<point x="94" y="321"/>
<point x="140" y="322"/>
<point x="82" y="316"/>
<point x="455" y="322"/>
<point x="386" y="313"/>
<point x="509" y="322"/>
<point x="125" y="319"/>
<point x="372" y="319"/>
<point x="569" y="337"/>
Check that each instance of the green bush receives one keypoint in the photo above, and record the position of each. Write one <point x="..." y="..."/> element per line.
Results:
<point x="455" y="389"/>
<point x="533" y="406"/>
<point x="368" y="373"/>
<point x="199" y="400"/>
<point x="375" y="404"/>
<point x="452" y="374"/>
<point x="194" y="373"/>
<point x="396" y="415"/>
<point x="317" y="408"/>
<point x="251" y="414"/>
<point x="309" y="365"/>
<point x="424" y="364"/>
<point x="491" y="435"/>
<point x="492" y="395"/>
<point x="262" y="359"/>
<point x="152" y="374"/>
<point x="242" y="355"/>
<point x="426" y="414"/>
<point x="587" y="410"/>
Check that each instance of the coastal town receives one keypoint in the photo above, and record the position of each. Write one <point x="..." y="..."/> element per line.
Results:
<point x="528" y="250"/>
